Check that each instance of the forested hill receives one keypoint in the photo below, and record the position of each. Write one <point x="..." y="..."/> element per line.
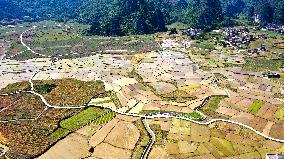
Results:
<point x="270" y="11"/>
<point x="120" y="17"/>
<point x="46" y="9"/>
<point x="10" y="10"/>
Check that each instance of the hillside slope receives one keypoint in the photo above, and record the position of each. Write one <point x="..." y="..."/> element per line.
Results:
<point x="10" y="10"/>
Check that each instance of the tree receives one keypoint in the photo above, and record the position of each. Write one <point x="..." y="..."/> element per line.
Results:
<point x="211" y="15"/>
<point x="266" y="12"/>
<point x="166" y="7"/>
<point x="129" y="17"/>
<point x="10" y="10"/>
<point x="279" y="12"/>
<point x="250" y="12"/>
<point x="181" y="4"/>
<point x="191" y="15"/>
<point x="91" y="11"/>
<point x="234" y="8"/>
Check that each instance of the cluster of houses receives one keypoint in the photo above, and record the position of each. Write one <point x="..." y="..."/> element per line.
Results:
<point x="257" y="50"/>
<point x="238" y="37"/>
<point x="192" y="32"/>
<point x="271" y="75"/>
<point x="275" y="28"/>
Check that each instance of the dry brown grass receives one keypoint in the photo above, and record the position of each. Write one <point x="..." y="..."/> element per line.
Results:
<point x="28" y="139"/>
<point x="72" y="92"/>
<point x="123" y="135"/>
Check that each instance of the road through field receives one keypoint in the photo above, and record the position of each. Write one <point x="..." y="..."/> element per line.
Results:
<point x="144" y="117"/>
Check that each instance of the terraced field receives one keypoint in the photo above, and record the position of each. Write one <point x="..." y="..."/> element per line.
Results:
<point x="60" y="98"/>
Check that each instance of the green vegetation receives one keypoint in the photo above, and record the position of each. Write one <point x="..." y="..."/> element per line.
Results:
<point x="138" y="152"/>
<point x="71" y="92"/>
<point x="188" y="88"/>
<point x="121" y="17"/>
<point x="224" y="146"/>
<point x="25" y="56"/>
<point x="262" y="65"/>
<point x="142" y="142"/>
<point x="9" y="10"/>
<point x="50" y="44"/>
<point x="115" y="99"/>
<point x="17" y="46"/>
<point x="148" y="60"/>
<point x="58" y="134"/>
<point x="136" y="75"/>
<point x="178" y="96"/>
<point x="193" y="115"/>
<point x="93" y="116"/>
<point x="279" y="114"/>
<point x="177" y="25"/>
<point x="104" y="118"/>
<point x="45" y="88"/>
<point x="256" y="105"/>
<point x="213" y="103"/>
<point x="230" y="87"/>
<point x="280" y="105"/>
<point x="279" y="80"/>
<point x="53" y="124"/>
<point x="15" y="87"/>
<point x="54" y="42"/>
<point x="159" y="133"/>
<point x="206" y="14"/>
<point x="124" y="17"/>
<point x="254" y="154"/>
<point x="83" y="118"/>
<point x="52" y="35"/>
<point x="206" y="45"/>
<point x="42" y="9"/>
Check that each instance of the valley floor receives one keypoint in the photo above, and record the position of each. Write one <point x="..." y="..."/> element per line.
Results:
<point x="166" y="101"/>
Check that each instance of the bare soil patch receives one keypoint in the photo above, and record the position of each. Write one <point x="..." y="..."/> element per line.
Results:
<point x="72" y="147"/>
<point x="123" y="135"/>
<point x="107" y="151"/>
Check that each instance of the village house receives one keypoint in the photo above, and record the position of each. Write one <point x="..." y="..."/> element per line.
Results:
<point x="275" y="28"/>
<point x="192" y="32"/>
<point x="271" y="75"/>
<point x="274" y="156"/>
<point x="238" y="37"/>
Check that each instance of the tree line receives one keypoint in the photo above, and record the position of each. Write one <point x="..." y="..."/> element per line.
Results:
<point x="122" y="17"/>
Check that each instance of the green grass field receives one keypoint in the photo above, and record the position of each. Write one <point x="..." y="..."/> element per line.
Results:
<point x="256" y="105"/>
<point x="212" y="104"/>
<point x="83" y="118"/>
<point x="55" y="41"/>
<point x="279" y="114"/>
<point x="104" y="118"/>
<point x="58" y="134"/>
<point x="25" y="56"/>
<point x="93" y="116"/>
<point x="262" y="65"/>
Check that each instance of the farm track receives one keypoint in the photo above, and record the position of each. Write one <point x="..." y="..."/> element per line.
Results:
<point x="151" y="142"/>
